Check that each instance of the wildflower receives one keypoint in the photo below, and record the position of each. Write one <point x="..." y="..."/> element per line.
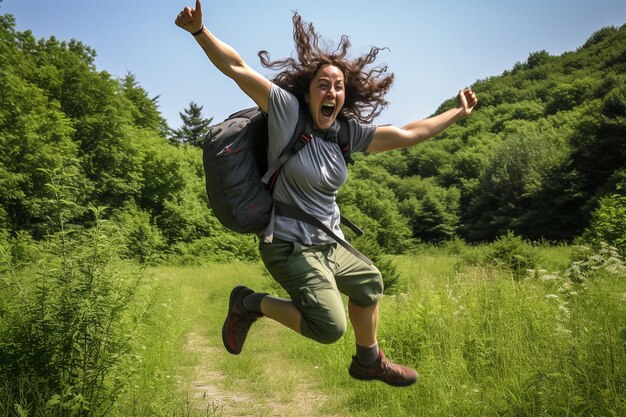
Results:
<point x="563" y="309"/>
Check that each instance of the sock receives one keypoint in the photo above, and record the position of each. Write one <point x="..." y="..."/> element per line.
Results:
<point x="252" y="302"/>
<point x="367" y="355"/>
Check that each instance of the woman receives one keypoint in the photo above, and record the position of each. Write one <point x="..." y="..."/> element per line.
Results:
<point x="312" y="268"/>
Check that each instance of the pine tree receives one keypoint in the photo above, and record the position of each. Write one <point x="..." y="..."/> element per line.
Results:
<point x="194" y="128"/>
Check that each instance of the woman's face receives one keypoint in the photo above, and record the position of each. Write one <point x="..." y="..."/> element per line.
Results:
<point x="326" y="96"/>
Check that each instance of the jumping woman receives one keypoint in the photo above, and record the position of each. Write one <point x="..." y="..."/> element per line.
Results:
<point x="305" y="261"/>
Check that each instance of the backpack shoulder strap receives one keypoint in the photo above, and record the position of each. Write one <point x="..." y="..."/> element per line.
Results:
<point x="297" y="141"/>
<point x="344" y="140"/>
<point x="287" y="210"/>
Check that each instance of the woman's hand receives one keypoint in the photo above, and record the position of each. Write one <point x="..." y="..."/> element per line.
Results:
<point x="190" y="19"/>
<point x="466" y="100"/>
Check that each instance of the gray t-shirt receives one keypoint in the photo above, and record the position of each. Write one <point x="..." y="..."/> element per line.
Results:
<point x="311" y="178"/>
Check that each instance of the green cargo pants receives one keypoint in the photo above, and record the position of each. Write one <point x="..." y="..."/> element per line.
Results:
<point x="314" y="276"/>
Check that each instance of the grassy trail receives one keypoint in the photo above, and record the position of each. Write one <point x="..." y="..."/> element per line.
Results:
<point x="262" y="381"/>
<point x="485" y="343"/>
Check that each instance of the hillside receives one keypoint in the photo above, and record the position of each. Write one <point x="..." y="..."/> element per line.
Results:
<point x="545" y="145"/>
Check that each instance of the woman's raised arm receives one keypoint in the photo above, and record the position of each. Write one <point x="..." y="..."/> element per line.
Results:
<point x="387" y="138"/>
<point x="225" y="58"/>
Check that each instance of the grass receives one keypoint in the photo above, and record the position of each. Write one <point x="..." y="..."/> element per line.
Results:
<point x="484" y="341"/>
<point x="190" y="301"/>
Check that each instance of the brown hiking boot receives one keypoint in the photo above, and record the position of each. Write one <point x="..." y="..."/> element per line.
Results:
<point x="238" y="320"/>
<point x="383" y="370"/>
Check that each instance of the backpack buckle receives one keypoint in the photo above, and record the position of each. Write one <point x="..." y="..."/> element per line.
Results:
<point x="302" y="141"/>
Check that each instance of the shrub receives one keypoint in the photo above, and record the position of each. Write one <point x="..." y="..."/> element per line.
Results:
<point x="455" y="246"/>
<point x="142" y="240"/>
<point x="512" y="252"/>
<point x="221" y="248"/>
<point x="608" y="222"/>
<point x="67" y="326"/>
<point x="589" y="262"/>
<point x="67" y="316"/>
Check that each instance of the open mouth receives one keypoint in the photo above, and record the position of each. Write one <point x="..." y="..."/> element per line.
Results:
<point x="327" y="110"/>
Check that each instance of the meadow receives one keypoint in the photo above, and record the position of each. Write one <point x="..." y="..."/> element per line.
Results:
<point x="486" y="338"/>
<point x="114" y="276"/>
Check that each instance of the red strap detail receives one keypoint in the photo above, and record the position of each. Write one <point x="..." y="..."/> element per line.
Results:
<point x="270" y="185"/>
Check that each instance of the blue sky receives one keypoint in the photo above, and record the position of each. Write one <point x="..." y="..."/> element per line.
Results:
<point x="435" y="47"/>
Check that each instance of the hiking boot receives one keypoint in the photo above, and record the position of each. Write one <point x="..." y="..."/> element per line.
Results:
<point x="238" y="320"/>
<point x="383" y="370"/>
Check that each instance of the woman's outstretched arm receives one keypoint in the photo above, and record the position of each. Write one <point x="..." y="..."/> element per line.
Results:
<point x="225" y="58"/>
<point x="387" y="138"/>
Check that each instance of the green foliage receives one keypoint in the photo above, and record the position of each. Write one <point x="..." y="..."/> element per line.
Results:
<point x="144" y="111"/>
<point x="194" y="128"/>
<point x="600" y="35"/>
<point x="69" y="310"/>
<point x="60" y="118"/>
<point x="35" y="139"/>
<point x="432" y="210"/>
<point x="141" y="239"/>
<point x="608" y="221"/>
<point x="590" y="263"/>
<point x="505" y="195"/>
<point x="513" y="253"/>
<point x="221" y="248"/>
<point x="67" y="325"/>
<point x="366" y="201"/>
<point x="598" y="143"/>
<point x="385" y="264"/>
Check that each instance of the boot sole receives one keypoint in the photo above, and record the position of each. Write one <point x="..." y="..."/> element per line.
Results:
<point x="231" y="303"/>
<point x="371" y="378"/>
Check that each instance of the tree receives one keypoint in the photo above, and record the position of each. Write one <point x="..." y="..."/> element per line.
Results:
<point x="34" y="136"/>
<point x="194" y="128"/>
<point x="507" y="187"/>
<point x="145" y="111"/>
<point x="368" y="199"/>
<point x="433" y="211"/>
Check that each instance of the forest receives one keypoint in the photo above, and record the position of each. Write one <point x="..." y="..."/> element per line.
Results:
<point x="543" y="156"/>
<point x="95" y="187"/>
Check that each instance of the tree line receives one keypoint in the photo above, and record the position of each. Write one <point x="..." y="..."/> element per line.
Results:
<point x="543" y="156"/>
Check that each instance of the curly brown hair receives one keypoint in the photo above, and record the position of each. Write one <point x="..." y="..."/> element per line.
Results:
<point x="365" y="88"/>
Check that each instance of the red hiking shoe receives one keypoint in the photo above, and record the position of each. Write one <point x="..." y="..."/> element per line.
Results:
<point x="238" y="320"/>
<point x="384" y="370"/>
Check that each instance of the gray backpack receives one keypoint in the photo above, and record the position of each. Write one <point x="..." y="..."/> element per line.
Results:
<point x="239" y="183"/>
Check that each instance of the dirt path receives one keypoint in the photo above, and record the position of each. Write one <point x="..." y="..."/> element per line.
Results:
<point x="207" y="386"/>
<point x="209" y="394"/>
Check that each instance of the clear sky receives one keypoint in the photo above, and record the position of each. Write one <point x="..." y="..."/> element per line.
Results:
<point x="435" y="47"/>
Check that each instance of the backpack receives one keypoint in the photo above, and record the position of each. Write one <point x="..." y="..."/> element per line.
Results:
<point x="239" y="182"/>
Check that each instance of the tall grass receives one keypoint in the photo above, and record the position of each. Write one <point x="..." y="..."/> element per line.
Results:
<point x="487" y="337"/>
<point x="192" y="301"/>
<point x="487" y="342"/>
<point x="68" y="323"/>
<point x="70" y="308"/>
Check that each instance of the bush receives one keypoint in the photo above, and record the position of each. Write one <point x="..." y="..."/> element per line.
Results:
<point x="222" y="248"/>
<point x="512" y="252"/>
<point x="608" y="222"/>
<point x="387" y="267"/>
<point x="142" y="240"/>
<point x="455" y="246"/>
<point x="67" y="326"/>
<point x="589" y="262"/>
